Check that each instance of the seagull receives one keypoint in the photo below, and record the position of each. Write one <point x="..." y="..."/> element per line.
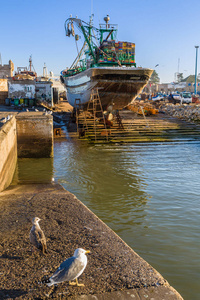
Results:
<point x="37" y="237"/>
<point x="36" y="109"/>
<point x="70" y="269"/>
<point x="4" y="120"/>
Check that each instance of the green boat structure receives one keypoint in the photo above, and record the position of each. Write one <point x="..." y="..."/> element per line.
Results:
<point x="103" y="63"/>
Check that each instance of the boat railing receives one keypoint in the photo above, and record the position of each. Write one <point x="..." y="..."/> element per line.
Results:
<point x="108" y="26"/>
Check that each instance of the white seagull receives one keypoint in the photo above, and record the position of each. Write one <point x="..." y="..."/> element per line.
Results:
<point x="37" y="237"/>
<point x="70" y="269"/>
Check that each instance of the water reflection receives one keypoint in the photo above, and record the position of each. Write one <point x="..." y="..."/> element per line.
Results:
<point x="148" y="194"/>
<point x="33" y="170"/>
<point x="106" y="179"/>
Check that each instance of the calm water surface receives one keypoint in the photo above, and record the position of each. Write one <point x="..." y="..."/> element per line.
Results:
<point x="149" y="194"/>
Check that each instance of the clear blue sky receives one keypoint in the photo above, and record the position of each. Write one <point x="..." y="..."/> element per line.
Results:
<point x="164" y="31"/>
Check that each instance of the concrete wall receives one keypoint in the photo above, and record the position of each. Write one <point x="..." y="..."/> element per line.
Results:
<point x="8" y="152"/>
<point x="34" y="135"/>
<point x="21" y="88"/>
<point x="43" y="91"/>
<point x="25" y="135"/>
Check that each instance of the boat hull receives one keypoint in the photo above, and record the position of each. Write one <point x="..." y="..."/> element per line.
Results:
<point x="116" y="85"/>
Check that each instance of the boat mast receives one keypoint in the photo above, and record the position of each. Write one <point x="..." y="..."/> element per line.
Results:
<point x="88" y="39"/>
<point x="30" y="63"/>
<point x="87" y="35"/>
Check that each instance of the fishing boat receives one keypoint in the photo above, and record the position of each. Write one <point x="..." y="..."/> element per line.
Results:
<point x="103" y="63"/>
<point x="24" y="73"/>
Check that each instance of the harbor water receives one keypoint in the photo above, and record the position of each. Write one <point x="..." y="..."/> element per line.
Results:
<point x="149" y="194"/>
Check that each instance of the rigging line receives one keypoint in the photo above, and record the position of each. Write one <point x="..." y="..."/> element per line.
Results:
<point x="79" y="56"/>
<point x="95" y="36"/>
<point x="78" y="59"/>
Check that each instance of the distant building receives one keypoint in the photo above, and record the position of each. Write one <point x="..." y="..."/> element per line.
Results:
<point x="21" y="89"/>
<point x="59" y="90"/>
<point x="3" y="90"/>
<point x="49" y="89"/>
<point x="43" y="91"/>
<point x="190" y="82"/>
<point x="187" y="84"/>
<point x="6" y="71"/>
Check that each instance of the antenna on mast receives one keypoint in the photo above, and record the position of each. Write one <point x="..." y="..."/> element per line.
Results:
<point x="30" y="62"/>
<point x="107" y="19"/>
<point x="45" y="70"/>
<point x="91" y="7"/>
<point x="0" y="60"/>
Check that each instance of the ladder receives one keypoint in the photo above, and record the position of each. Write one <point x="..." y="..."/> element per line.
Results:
<point x="95" y="109"/>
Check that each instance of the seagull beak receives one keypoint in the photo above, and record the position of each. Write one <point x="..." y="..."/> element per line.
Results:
<point x="87" y="251"/>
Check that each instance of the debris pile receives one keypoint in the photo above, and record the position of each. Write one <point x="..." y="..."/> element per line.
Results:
<point x="143" y="107"/>
<point x="190" y="113"/>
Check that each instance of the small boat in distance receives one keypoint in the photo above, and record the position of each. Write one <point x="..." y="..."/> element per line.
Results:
<point x="105" y="64"/>
<point x="24" y="73"/>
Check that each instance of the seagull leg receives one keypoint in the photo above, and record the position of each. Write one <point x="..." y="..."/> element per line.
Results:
<point x="44" y="250"/>
<point x="51" y="291"/>
<point x="72" y="283"/>
<point x="79" y="284"/>
<point x="76" y="283"/>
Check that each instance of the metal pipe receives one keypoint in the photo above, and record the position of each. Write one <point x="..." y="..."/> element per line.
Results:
<point x="195" y="85"/>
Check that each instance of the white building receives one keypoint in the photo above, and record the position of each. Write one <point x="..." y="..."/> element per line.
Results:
<point x="21" y="89"/>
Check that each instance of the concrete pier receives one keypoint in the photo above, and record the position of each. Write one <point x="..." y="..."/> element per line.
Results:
<point x="114" y="270"/>
<point x="25" y="134"/>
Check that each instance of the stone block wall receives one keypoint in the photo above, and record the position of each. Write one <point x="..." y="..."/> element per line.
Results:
<point x="34" y="135"/>
<point x="7" y="70"/>
<point x="3" y="90"/>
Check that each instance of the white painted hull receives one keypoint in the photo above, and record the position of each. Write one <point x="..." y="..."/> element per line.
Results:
<point x="118" y="85"/>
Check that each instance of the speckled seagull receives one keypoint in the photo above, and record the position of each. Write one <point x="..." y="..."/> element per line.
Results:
<point x="70" y="269"/>
<point x="37" y="237"/>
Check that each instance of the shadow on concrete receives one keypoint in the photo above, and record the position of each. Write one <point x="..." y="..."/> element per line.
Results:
<point x="12" y="293"/>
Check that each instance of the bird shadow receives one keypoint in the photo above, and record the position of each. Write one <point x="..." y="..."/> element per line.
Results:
<point x="4" y="255"/>
<point x="12" y="293"/>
